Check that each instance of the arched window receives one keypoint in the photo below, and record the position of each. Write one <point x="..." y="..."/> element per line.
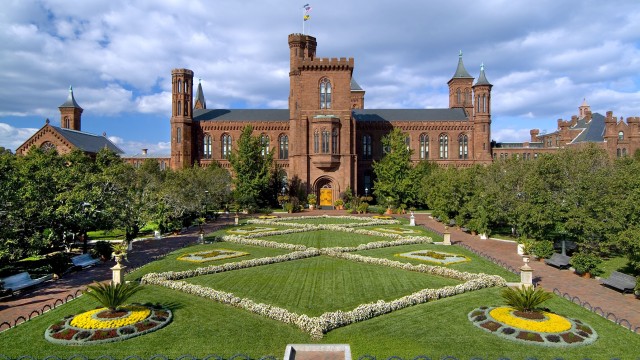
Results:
<point x="284" y="147"/>
<point x="444" y="146"/>
<point x="485" y="103"/>
<point x="325" y="94"/>
<point x="620" y="135"/>
<point x="463" y="142"/>
<point x="179" y="85"/>
<point x="226" y="146"/>
<point x="458" y="96"/>
<point x="66" y="122"/>
<point x="366" y="147"/>
<point x="325" y="141"/>
<point x="48" y="146"/>
<point x="424" y="146"/>
<point x="335" y="148"/>
<point x="264" y="141"/>
<point x="179" y="135"/>
<point x="624" y="151"/>
<point x="206" y="146"/>
<point x="467" y="96"/>
<point x="316" y="141"/>
<point x="179" y="108"/>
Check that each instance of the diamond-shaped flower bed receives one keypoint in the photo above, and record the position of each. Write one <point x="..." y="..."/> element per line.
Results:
<point x="250" y="230"/>
<point x="397" y="230"/>
<point x="437" y="257"/>
<point x="550" y="330"/>
<point x="211" y="255"/>
<point x="101" y="326"/>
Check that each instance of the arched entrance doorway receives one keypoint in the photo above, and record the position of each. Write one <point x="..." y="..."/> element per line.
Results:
<point x="326" y="192"/>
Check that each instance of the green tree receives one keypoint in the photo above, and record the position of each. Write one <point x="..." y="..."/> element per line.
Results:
<point x="393" y="184"/>
<point x="9" y="216"/>
<point x="252" y="171"/>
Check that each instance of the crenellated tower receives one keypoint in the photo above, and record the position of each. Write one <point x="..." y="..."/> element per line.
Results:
<point x="182" y="146"/>
<point x="482" y="117"/>
<point x="460" y="89"/>
<point x="70" y="113"/>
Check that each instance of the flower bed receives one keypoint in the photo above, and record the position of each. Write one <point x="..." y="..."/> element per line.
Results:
<point x="550" y="330"/>
<point x="437" y="257"/>
<point x="100" y="326"/>
<point x="396" y="230"/>
<point x="211" y="255"/>
<point x="250" y="230"/>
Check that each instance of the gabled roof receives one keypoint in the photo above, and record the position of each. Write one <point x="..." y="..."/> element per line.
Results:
<point x="87" y="142"/>
<point x="593" y="130"/>
<point x="456" y="114"/>
<point x="241" y="115"/>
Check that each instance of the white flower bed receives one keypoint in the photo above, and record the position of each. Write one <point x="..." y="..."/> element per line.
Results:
<point x="319" y="325"/>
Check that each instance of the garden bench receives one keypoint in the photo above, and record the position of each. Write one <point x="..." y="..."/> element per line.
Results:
<point x="464" y="229"/>
<point x="558" y="260"/>
<point x="21" y="281"/>
<point x="84" y="261"/>
<point x="620" y="281"/>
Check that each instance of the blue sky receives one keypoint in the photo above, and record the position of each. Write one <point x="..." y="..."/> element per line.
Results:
<point x="542" y="57"/>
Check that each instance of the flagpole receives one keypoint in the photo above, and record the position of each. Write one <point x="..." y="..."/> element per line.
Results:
<point x="303" y="10"/>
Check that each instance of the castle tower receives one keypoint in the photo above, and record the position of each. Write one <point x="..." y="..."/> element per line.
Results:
<point x="482" y="117"/>
<point x="200" y="102"/>
<point x="460" y="91"/>
<point x="182" y="147"/>
<point x="70" y="113"/>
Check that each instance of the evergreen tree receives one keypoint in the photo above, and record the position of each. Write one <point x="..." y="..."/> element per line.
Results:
<point x="394" y="184"/>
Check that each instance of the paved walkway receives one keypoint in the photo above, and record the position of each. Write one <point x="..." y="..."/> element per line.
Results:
<point x="32" y="302"/>
<point x="587" y="290"/>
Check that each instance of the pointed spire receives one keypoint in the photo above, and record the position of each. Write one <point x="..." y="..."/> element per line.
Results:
<point x="584" y="102"/>
<point x="71" y="101"/>
<point x="200" y="102"/>
<point x="482" y="79"/>
<point x="461" y="72"/>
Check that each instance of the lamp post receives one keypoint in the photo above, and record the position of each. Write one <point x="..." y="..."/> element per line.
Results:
<point x="84" y="206"/>
<point x="366" y="191"/>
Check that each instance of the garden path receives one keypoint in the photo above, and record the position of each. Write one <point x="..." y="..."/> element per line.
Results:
<point x="144" y="251"/>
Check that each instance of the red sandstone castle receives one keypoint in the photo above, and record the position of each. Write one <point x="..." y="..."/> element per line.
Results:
<point x="327" y="137"/>
<point x="329" y="140"/>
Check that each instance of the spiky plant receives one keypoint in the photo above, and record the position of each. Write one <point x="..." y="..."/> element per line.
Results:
<point x="112" y="296"/>
<point x="525" y="299"/>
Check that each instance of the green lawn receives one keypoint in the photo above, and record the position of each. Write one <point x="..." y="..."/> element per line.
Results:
<point x="477" y="264"/>
<point x="325" y="238"/>
<point x="328" y="220"/>
<point x="314" y="285"/>
<point x="320" y="284"/>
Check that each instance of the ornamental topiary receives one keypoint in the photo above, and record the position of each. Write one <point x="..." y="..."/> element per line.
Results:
<point x="110" y="295"/>
<point x="525" y="299"/>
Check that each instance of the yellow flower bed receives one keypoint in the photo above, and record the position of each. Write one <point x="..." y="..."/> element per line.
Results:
<point x="88" y="320"/>
<point x="552" y="324"/>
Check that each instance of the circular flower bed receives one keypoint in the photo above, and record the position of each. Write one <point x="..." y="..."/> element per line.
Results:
<point x="547" y="329"/>
<point x="101" y="326"/>
<point x="211" y="255"/>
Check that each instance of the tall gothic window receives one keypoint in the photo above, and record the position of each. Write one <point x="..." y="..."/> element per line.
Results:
<point x="467" y="96"/>
<point x="366" y="147"/>
<point x="407" y="141"/>
<point x="179" y="86"/>
<point x="316" y="141"/>
<point x="179" y="108"/>
<point x="226" y="146"/>
<point x="458" y="97"/>
<point x="207" y="146"/>
<point x="424" y="146"/>
<point x="325" y="94"/>
<point x="325" y="141"/>
<point x="485" y="103"/>
<point x="444" y="146"/>
<point x="264" y="141"/>
<point x="66" y="122"/>
<point x="334" y="142"/>
<point x="463" y="143"/>
<point x="179" y="135"/>
<point x="284" y="147"/>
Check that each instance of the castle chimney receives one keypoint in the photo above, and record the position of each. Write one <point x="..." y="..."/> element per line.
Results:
<point x="144" y="152"/>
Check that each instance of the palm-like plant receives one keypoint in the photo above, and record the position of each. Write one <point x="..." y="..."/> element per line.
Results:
<point x="110" y="295"/>
<point x="525" y="299"/>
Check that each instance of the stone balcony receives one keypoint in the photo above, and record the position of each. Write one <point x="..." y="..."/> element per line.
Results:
<point x="325" y="161"/>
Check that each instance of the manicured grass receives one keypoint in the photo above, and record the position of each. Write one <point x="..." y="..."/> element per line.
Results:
<point x="325" y="238"/>
<point x="328" y="220"/>
<point x="614" y="264"/>
<point x="320" y="284"/>
<point x="105" y="234"/>
<point x="171" y="262"/>
<point x="417" y="230"/>
<point x="477" y="264"/>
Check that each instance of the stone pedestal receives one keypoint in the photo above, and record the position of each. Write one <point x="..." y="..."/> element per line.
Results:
<point x="201" y="238"/>
<point x="237" y="220"/>
<point x="526" y="273"/>
<point x="446" y="236"/>
<point x="412" y="220"/>
<point x="118" y="273"/>
<point x="157" y="235"/>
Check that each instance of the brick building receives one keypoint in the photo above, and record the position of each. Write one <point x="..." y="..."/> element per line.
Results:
<point x="327" y="137"/>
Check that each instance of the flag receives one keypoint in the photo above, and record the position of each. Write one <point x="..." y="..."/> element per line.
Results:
<point x="307" y="7"/>
<point x="306" y="17"/>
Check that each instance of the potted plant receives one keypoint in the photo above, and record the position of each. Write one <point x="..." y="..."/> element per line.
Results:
<point x="585" y="264"/>
<point x="542" y="249"/>
<point x="339" y="204"/>
<point x="311" y="199"/>
<point x="120" y="251"/>
<point x="524" y="246"/>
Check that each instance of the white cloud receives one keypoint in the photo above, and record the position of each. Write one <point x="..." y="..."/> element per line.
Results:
<point x="12" y="137"/>
<point x="511" y="135"/>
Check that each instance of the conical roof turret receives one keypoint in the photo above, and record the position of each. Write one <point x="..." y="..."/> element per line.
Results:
<point x="71" y="101"/>
<point x="200" y="102"/>
<point x="482" y="79"/>
<point x="461" y="72"/>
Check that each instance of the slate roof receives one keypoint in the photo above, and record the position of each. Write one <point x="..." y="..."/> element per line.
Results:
<point x="200" y="96"/>
<point x="147" y="156"/>
<point x="410" y="115"/>
<point x="87" y="142"/>
<point x="241" y="114"/>
<point x="593" y="131"/>
<point x="482" y="79"/>
<point x="461" y="72"/>
<point x="71" y="101"/>
<point x="355" y="86"/>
